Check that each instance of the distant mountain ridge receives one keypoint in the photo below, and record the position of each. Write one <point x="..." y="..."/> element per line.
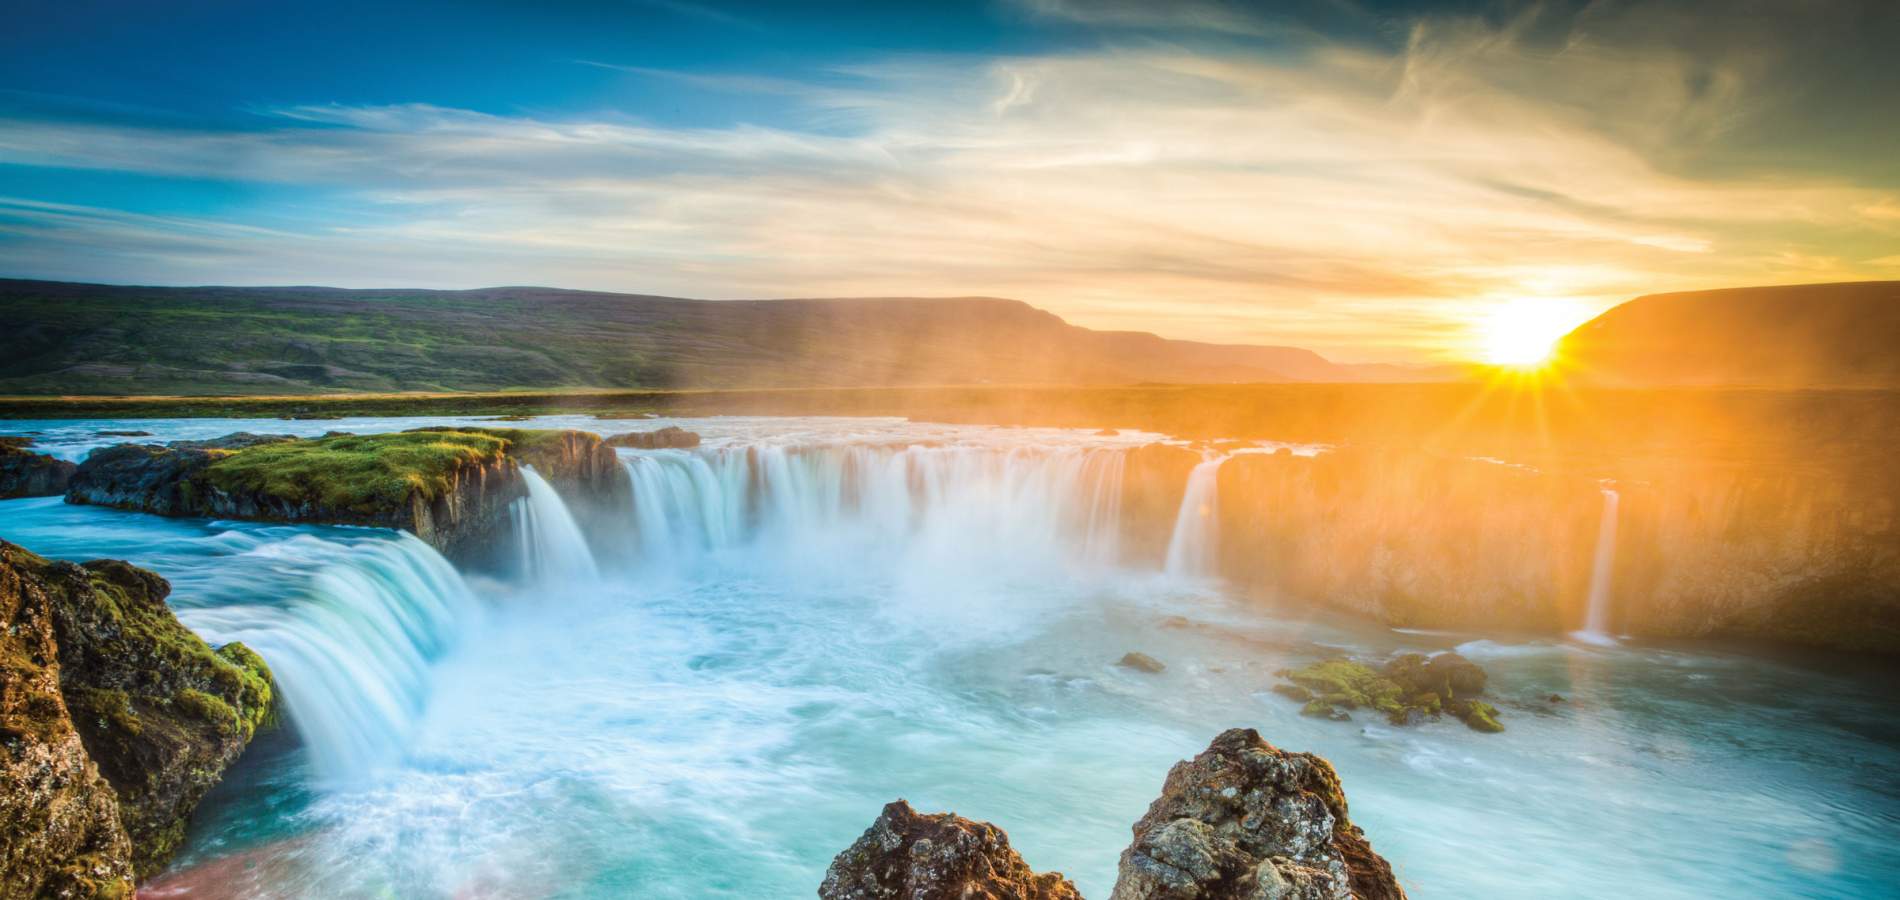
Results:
<point x="1843" y="335"/>
<point x="108" y="339"/>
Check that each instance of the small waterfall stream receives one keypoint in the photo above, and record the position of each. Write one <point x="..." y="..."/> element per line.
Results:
<point x="553" y="547"/>
<point x="1192" y="546"/>
<point x="1596" y="623"/>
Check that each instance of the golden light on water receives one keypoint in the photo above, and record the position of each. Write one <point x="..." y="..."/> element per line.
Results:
<point x="1524" y="332"/>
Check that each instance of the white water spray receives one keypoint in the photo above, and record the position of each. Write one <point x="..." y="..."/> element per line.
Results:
<point x="351" y="648"/>
<point x="950" y="510"/>
<point x="553" y="548"/>
<point x="1596" y="623"/>
<point x="1192" y="547"/>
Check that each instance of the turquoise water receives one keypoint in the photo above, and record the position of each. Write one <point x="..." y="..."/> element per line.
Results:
<point x="719" y="712"/>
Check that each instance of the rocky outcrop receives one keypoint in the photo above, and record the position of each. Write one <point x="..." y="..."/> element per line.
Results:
<point x="452" y="487"/>
<point x="1792" y="552"/>
<point x="117" y="721"/>
<point x="670" y="437"/>
<point x="907" y="855"/>
<point x="1246" y="820"/>
<point x="1242" y="821"/>
<point x="60" y="834"/>
<point x="1408" y="689"/>
<point x="24" y="473"/>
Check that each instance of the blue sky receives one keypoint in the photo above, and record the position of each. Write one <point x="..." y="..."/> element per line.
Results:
<point x="1365" y="178"/>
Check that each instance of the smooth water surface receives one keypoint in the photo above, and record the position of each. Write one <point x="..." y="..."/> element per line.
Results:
<point x="805" y="619"/>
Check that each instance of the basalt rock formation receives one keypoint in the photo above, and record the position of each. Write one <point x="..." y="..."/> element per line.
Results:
<point x="449" y="486"/>
<point x="24" y="473"/>
<point x="907" y="855"/>
<point x="1241" y="821"/>
<point x="116" y="720"/>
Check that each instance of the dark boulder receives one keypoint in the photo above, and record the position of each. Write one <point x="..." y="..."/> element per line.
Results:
<point x="907" y="855"/>
<point x="670" y="437"/>
<point x="1247" y="820"/>
<point x="146" y="477"/>
<point x="237" y="440"/>
<point x="27" y="474"/>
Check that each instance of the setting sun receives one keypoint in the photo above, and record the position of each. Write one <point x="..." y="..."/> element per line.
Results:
<point x="1523" y="332"/>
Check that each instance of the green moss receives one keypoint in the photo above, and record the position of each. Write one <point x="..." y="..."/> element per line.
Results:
<point x="1348" y="684"/>
<point x="361" y="473"/>
<point x="108" y="709"/>
<point x="1479" y="716"/>
<point x="1394" y="690"/>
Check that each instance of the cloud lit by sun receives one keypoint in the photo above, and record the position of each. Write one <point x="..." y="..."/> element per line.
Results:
<point x="1523" y="332"/>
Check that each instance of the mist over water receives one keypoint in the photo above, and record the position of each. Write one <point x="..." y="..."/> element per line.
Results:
<point x="713" y="691"/>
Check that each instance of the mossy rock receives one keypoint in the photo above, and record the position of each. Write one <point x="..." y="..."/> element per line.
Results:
<point x="356" y="473"/>
<point x="1407" y="690"/>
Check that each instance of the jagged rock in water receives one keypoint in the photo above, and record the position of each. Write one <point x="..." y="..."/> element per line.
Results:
<point x="116" y="721"/>
<point x="1141" y="662"/>
<point x="24" y="473"/>
<point x="670" y="437"/>
<point x="907" y="855"/>
<point x="1247" y="821"/>
<point x="60" y="834"/>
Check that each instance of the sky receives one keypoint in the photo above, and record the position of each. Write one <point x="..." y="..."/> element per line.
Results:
<point x="1372" y="180"/>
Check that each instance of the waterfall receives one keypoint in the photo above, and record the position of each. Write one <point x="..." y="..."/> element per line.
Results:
<point x="1596" y="623"/>
<point x="350" y="646"/>
<point x="969" y="508"/>
<point x="553" y="548"/>
<point x="1192" y="547"/>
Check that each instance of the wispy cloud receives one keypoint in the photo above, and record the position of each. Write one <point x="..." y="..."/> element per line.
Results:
<point x="1363" y="201"/>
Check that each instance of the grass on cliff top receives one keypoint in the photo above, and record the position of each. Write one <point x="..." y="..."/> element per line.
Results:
<point x="364" y="473"/>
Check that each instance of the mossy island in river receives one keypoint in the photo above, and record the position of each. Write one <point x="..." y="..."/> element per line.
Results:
<point x="1408" y="689"/>
<point x="449" y="486"/>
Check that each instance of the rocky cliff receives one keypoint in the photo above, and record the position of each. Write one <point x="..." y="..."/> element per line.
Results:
<point x="450" y="487"/>
<point x="116" y="719"/>
<point x="1244" y="820"/>
<point x="1790" y="550"/>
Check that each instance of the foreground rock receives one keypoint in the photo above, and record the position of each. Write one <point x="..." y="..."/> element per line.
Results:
<point x="1247" y="820"/>
<point x="449" y="486"/>
<point x="907" y="855"/>
<point x="670" y="437"/>
<point x="1242" y="821"/>
<point x="117" y="720"/>
<point x="60" y="834"/>
<point x="1408" y="689"/>
<point x="24" y="473"/>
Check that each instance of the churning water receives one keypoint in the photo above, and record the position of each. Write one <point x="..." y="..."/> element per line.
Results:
<point x="804" y="619"/>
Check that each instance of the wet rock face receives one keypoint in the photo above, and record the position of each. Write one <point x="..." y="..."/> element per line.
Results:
<point x="907" y="855"/>
<point x="1247" y="820"/>
<point x="24" y="473"/>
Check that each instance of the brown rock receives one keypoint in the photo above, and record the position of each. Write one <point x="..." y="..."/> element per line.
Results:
<point x="913" y="856"/>
<point x="1247" y="821"/>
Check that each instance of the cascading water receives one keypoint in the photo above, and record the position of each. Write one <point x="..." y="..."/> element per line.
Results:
<point x="1192" y="547"/>
<point x="552" y="546"/>
<point x="351" y="648"/>
<point x="1596" y="623"/>
<point x="910" y="508"/>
